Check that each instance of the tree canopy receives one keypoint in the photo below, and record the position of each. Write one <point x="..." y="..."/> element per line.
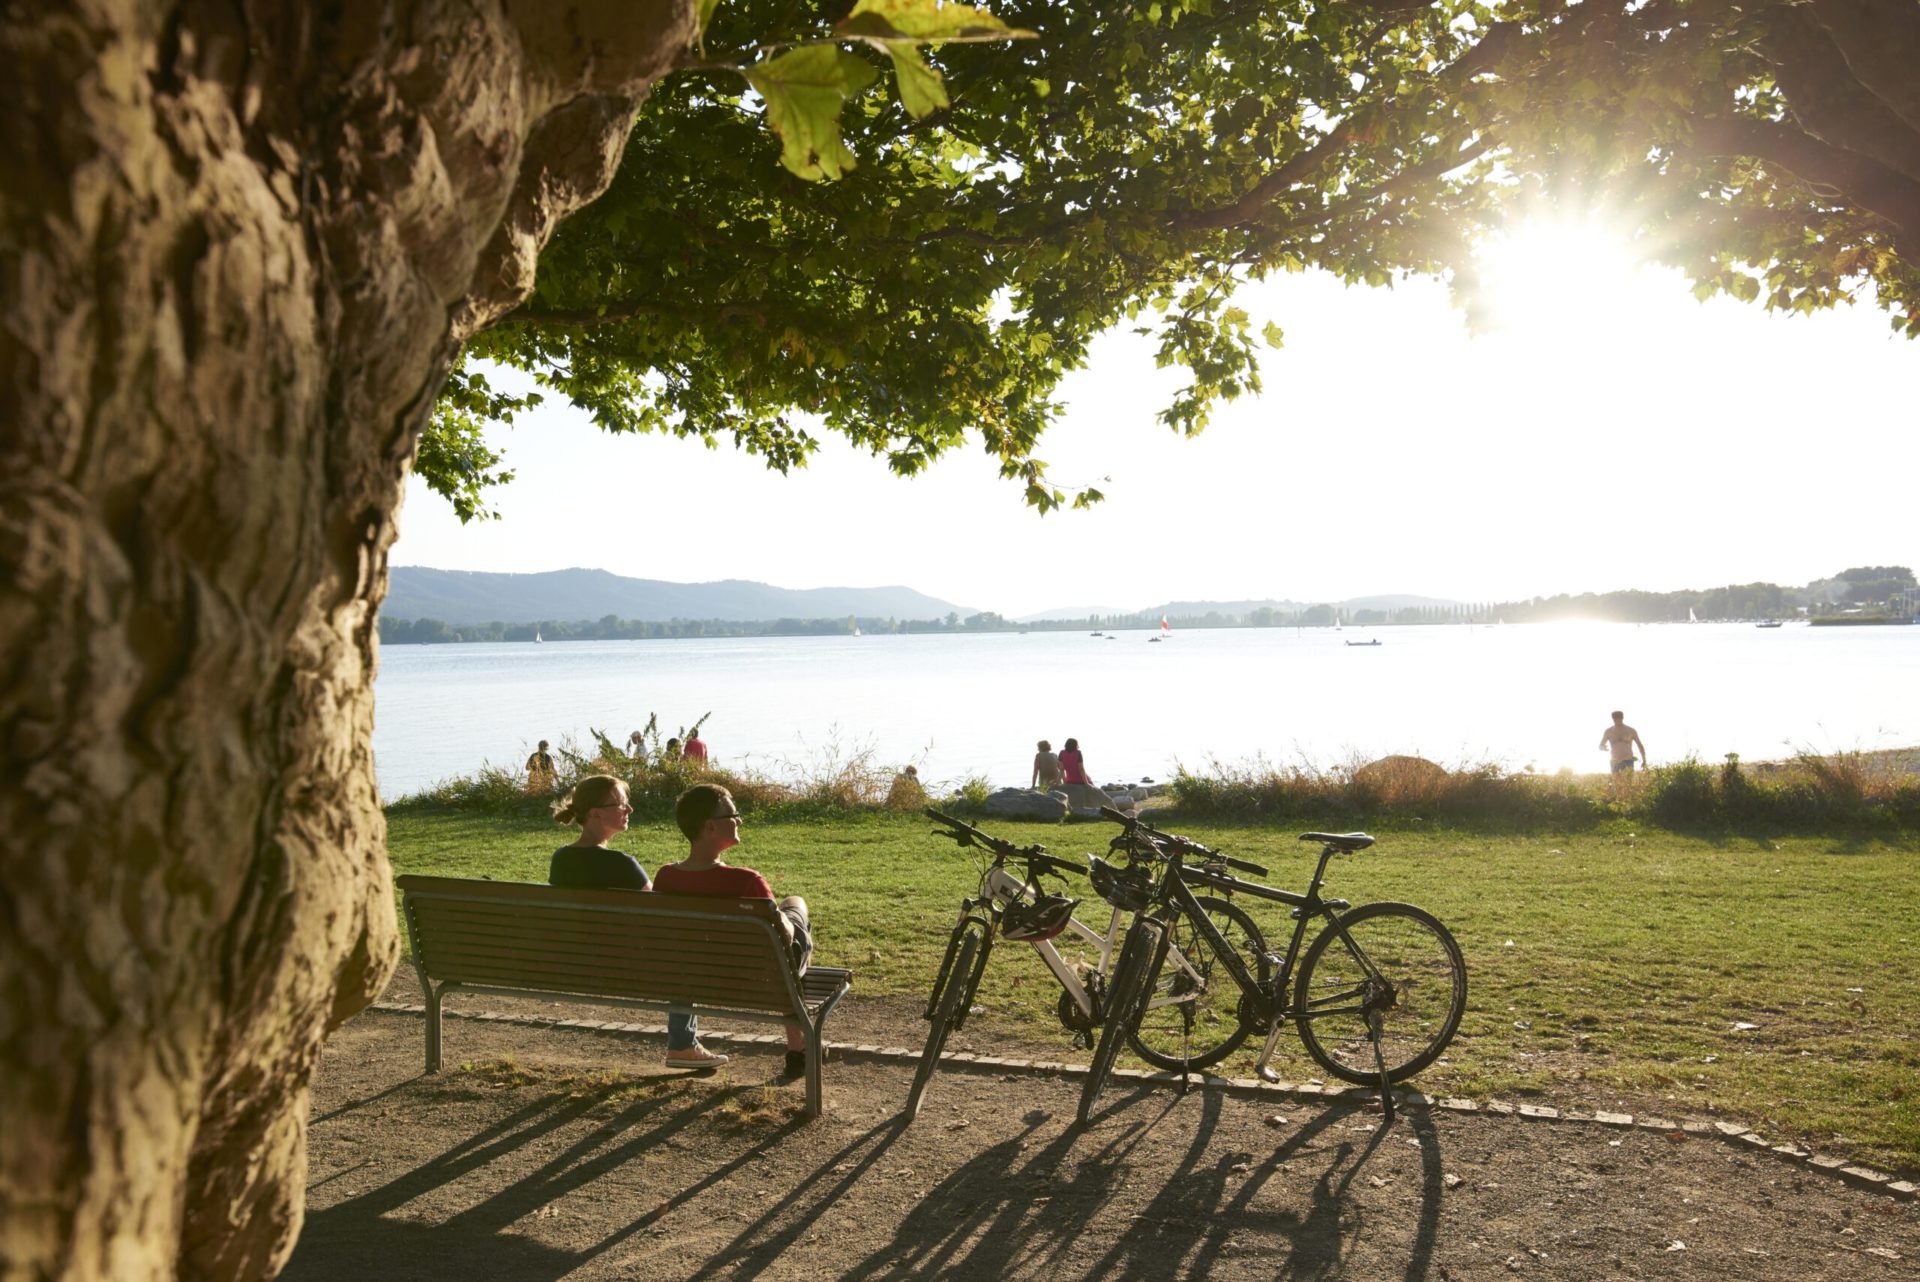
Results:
<point x="1135" y="164"/>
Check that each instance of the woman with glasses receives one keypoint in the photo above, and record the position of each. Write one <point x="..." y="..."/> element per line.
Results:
<point x="598" y="805"/>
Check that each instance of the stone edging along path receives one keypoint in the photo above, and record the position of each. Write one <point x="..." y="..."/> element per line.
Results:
<point x="1245" y="1087"/>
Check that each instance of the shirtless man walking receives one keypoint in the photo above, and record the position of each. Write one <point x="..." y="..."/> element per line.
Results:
<point x="1621" y="739"/>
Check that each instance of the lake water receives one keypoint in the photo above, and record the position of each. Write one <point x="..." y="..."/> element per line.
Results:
<point x="974" y="705"/>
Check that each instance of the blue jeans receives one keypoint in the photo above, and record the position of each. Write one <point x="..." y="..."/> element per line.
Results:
<point x="682" y="1031"/>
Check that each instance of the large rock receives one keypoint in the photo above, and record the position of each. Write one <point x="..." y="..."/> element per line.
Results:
<point x="1084" y="800"/>
<point x="1025" y="803"/>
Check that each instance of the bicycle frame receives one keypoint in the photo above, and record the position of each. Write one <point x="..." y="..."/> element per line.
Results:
<point x="1004" y="887"/>
<point x="1175" y="897"/>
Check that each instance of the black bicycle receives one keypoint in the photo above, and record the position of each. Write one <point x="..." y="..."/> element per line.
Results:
<point x="1377" y="995"/>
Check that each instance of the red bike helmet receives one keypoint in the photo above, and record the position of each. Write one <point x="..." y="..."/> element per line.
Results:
<point x="1044" y="918"/>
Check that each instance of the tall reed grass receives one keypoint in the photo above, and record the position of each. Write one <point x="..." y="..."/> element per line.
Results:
<point x="1810" y="791"/>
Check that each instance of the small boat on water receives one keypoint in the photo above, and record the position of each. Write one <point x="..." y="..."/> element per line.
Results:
<point x="1153" y="640"/>
<point x="536" y="636"/>
<point x="1364" y="644"/>
<point x="1767" y="623"/>
<point x="1096" y="634"/>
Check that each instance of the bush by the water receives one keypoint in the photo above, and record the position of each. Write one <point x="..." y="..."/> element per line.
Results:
<point x="1839" y="789"/>
<point x="1809" y="791"/>
<point x="834" y="779"/>
<point x="1842" y="789"/>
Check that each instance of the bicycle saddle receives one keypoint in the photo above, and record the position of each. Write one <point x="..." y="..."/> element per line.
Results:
<point x="1340" y="840"/>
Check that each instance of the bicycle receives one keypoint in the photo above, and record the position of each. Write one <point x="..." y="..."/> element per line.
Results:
<point x="1377" y="997"/>
<point x="1006" y="899"/>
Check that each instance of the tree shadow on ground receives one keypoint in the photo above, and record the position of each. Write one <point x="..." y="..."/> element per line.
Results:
<point x="1111" y="1200"/>
<point x="361" y="1236"/>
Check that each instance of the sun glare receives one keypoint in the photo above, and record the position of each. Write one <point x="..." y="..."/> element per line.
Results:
<point x="1560" y="280"/>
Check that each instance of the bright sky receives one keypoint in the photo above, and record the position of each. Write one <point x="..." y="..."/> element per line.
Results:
<point x="1614" y="433"/>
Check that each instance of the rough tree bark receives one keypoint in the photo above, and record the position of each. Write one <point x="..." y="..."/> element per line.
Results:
<point x="240" y="241"/>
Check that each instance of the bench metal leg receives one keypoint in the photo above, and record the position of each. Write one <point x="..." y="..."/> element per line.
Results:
<point x="816" y="1051"/>
<point x="433" y="1027"/>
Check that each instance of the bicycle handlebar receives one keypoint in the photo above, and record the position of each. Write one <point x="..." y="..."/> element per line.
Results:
<point x="1186" y="845"/>
<point x="968" y="835"/>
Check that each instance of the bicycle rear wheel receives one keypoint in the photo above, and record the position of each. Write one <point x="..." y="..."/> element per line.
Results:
<point x="1191" y="1017"/>
<point x="1145" y="941"/>
<point x="1390" y="966"/>
<point x="952" y="990"/>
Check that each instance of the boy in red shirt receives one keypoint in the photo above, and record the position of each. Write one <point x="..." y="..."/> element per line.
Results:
<point x="707" y="815"/>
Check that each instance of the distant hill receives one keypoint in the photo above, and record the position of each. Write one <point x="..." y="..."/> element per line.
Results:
<point x="1241" y="609"/>
<point x="1396" y="601"/>
<point x="1072" y="612"/>
<point x="464" y="597"/>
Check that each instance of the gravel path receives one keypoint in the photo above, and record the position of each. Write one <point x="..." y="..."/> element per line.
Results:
<point x="557" y="1153"/>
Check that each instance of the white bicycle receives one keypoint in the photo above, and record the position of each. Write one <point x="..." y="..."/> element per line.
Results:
<point x="1012" y="904"/>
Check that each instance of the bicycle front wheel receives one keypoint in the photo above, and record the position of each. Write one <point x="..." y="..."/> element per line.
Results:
<point x="951" y="993"/>
<point x="1383" y="972"/>
<point x="1144" y="943"/>
<point x="1192" y="1014"/>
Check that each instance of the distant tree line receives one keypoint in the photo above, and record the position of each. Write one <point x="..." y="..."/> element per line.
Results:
<point x="1863" y="587"/>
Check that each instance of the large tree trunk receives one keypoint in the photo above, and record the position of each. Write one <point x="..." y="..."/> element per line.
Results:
<point x="239" y="244"/>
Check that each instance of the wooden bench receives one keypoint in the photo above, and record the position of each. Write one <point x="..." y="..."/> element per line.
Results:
<point x="679" y="953"/>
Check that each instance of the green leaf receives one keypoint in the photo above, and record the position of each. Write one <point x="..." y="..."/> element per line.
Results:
<point x="1273" y="335"/>
<point x="804" y="90"/>
<point x="927" y="21"/>
<point x="922" y="92"/>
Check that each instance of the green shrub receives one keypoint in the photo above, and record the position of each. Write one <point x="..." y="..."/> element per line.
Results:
<point x="1680" y="795"/>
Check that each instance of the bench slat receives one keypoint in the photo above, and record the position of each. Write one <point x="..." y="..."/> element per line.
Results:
<point x="587" y="937"/>
<point x="763" y="987"/>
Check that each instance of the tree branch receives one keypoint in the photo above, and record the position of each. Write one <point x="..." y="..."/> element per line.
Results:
<point x="628" y="309"/>
<point x="1865" y="182"/>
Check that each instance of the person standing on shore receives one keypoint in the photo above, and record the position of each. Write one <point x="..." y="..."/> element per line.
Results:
<point x="540" y="771"/>
<point x="695" y="748"/>
<point x="1621" y="739"/>
<point x="1046" y="768"/>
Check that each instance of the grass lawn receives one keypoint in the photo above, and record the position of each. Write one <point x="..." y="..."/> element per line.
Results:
<point x="1605" y="968"/>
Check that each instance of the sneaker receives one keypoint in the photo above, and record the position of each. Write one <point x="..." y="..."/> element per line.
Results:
<point x="695" y="1056"/>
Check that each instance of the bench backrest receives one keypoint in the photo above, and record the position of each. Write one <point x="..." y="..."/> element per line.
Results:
<point x="604" y="943"/>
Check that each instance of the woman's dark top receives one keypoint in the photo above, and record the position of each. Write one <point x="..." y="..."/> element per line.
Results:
<point x="596" y="868"/>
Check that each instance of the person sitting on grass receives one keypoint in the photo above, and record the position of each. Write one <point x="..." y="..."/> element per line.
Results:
<point x="598" y="805"/>
<point x="708" y="816"/>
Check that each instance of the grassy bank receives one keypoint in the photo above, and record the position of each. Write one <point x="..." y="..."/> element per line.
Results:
<point x="1876" y="792"/>
<point x="1609" y="965"/>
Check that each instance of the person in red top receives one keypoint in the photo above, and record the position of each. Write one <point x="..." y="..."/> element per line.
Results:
<point x="1072" y="765"/>
<point x="708" y="816"/>
<point x="695" y="748"/>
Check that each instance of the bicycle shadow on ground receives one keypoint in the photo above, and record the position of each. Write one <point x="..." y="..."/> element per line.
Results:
<point x="1063" y="1200"/>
